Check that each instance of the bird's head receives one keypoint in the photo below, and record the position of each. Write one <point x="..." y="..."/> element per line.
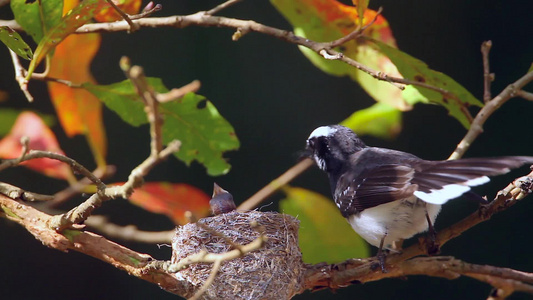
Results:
<point x="330" y="146"/>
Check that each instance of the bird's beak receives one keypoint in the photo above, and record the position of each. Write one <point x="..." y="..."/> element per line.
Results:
<point x="217" y="190"/>
<point x="307" y="153"/>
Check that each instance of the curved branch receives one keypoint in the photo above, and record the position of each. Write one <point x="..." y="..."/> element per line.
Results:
<point x="202" y="18"/>
<point x="476" y="128"/>
<point x="136" y="264"/>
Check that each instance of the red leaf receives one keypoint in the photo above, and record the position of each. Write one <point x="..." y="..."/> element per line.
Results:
<point x="41" y="138"/>
<point x="172" y="199"/>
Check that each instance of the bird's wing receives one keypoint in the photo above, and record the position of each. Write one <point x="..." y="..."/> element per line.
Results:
<point x="440" y="181"/>
<point x="374" y="186"/>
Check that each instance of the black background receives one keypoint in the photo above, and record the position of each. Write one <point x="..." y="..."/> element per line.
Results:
<point x="274" y="98"/>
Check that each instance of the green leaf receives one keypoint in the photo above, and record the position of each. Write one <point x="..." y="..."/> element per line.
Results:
<point x="15" y="42"/>
<point x="324" y="234"/>
<point x="122" y="98"/>
<point x="456" y="102"/>
<point x="8" y="116"/>
<point x="37" y="17"/>
<point x="325" y="21"/>
<point x="194" y="120"/>
<point x="74" y="19"/>
<point x="379" y="120"/>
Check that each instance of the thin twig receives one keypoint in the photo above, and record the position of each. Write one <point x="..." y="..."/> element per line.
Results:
<point x="178" y="93"/>
<point x="68" y="83"/>
<point x="476" y="128"/>
<point x="526" y="95"/>
<point x="356" y="33"/>
<point x="20" y="75"/>
<point x="136" y="177"/>
<point x="133" y="27"/>
<point x="275" y="184"/>
<point x="14" y="192"/>
<point x="206" y="257"/>
<point x="209" y="281"/>
<point x="74" y="165"/>
<point x="130" y="232"/>
<point x="136" y="75"/>
<point x="487" y="76"/>
<point x="244" y="26"/>
<point x="220" y="7"/>
<point x="148" y="10"/>
<point x="78" y="187"/>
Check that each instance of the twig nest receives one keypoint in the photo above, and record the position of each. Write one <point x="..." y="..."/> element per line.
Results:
<point x="272" y="272"/>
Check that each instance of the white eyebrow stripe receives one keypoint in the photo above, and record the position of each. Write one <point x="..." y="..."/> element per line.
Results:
<point x="323" y="131"/>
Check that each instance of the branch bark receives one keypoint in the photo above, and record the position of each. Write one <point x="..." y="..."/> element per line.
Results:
<point x="36" y="222"/>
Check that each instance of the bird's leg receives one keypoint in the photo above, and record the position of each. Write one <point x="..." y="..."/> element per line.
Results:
<point x="381" y="255"/>
<point x="433" y="246"/>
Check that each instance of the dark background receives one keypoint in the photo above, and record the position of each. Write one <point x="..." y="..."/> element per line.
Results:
<point x="274" y="98"/>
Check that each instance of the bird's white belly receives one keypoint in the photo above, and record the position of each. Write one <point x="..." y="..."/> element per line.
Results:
<point x="397" y="220"/>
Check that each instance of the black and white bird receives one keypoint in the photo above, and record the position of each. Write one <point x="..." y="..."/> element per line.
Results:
<point x="388" y="195"/>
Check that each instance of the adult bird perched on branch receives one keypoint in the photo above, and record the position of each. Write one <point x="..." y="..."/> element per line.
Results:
<point x="388" y="195"/>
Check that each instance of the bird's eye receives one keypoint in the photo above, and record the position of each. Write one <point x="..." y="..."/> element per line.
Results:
<point x="311" y="143"/>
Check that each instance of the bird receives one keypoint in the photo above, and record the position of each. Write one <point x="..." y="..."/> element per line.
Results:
<point x="222" y="201"/>
<point x="388" y="195"/>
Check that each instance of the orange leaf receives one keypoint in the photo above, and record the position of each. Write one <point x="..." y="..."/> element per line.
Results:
<point x="109" y="14"/>
<point x="79" y="111"/>
<point x="41" y="138"/>
<point x="172" y="199"/>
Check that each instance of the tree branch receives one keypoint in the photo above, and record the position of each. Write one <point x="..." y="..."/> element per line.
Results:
<point x="203" y="18"/>
<point x="365" y="270"/>
<point x="275" y="184"/>
<point x="20" y="75"/>
<point x="91" y="244"/>
<point x="487" y="76"/>
<point x="476" y="128"/>
<point x="133" y="27"/>
<point x="128" y="233"/>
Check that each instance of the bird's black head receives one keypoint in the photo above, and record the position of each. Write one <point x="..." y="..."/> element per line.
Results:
<point x="330" y="146"/>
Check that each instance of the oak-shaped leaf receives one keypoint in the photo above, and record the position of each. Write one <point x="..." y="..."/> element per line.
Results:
<point x="172" y="200"/>
<point x="325" y="236"/>
<point x="205" y="135"/>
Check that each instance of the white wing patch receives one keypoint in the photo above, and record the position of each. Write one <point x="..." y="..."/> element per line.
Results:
<point x="450" y="191"/>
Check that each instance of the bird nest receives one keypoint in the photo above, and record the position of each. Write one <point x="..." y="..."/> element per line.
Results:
<point x="272" y="272"/>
